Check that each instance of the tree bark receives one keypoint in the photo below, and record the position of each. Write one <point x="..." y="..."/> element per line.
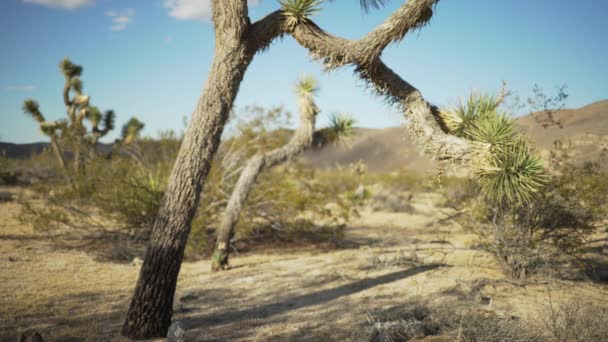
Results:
<point x="230" y="218"/>
<point x="301" y="140"/>
<point x="61" y="159"/>
<point x="151" y="307"/>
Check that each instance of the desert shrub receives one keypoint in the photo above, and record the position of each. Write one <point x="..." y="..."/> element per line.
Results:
<point x="382" y="199"/>
<point x="39" y="167"/>
<point x="125" y="191"/>
<point x="454" y="323"/>
<point x="291" y="203"/>
<point x="121" y="192"/>
<point x="550" y="233"/>
<point x="575" y="320"/>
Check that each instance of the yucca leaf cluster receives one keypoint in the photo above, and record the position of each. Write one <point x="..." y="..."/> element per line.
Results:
<point x="299" y="11"/>
<point x="342" y="127"/>
<point x="508" y="170"/>
<point x="306" y="88"/>
<point x="131" y="130"/>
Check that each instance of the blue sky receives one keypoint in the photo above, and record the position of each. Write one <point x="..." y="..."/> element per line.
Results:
<point x="150" y="58"/>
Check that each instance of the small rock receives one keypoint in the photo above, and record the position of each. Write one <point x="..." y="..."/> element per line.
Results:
<point x="137" y="262"/>
<point x="31" y="335"/>
<point x="5" y="196"/>
<point x="177" y="332"/>
<point x="360" y="191"/>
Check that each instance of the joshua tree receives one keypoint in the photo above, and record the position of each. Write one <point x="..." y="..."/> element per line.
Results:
<point x="130" y="131"/>
<point x="129" y="134"/>
<point x="304" y="137"/>
<point x="50" y="129"/>
<point x="72" y="131"/>
<point x="237" y="40"/>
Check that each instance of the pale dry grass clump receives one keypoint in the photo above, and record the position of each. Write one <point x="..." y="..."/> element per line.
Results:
<point x="451" y="321"/>
<point x="575" y="320"/>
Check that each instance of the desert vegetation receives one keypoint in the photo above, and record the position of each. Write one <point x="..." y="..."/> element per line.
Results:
<point x="500" y="239"/>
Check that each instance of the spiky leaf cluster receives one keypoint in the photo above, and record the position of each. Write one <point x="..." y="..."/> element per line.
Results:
<point x="31" y="108"/>
<point x="131" y="130"/>
<point x="511" y="176"/>
<point x="299" y="11"/>
<point x="94" y="116"/>
<point x="508" y="171"/>
<point x="306" y="88"/>
<point x="76" y="84"/>
<point x="69" y="69"/>
<point x="342" y="127"/>
<point x="368" y="4"/>
<point x="108" y="120"/>
<point x="460" y="120"/>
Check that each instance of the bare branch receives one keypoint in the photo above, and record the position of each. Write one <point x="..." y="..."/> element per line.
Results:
<point x="412" y="15"/>
<point x="261" y="33"/>
<point x="425" y="122"/>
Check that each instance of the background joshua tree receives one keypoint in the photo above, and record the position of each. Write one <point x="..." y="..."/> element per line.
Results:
<point x="50" y="129"/>
<point x="71" y="133"/>
<point x="237" y="40"/>
<point x="302" y="138"/>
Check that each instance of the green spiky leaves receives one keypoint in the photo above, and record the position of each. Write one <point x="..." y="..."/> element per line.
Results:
<point x="340" y="131"/>
<point x="306" y="88"/>
<point x="76" y="84"/>
<point x="368" y="4"/>
<point x="460" y="120"/>
<point x="299" y="11"/>
<point x="108" y="120"/>
<point x="342" y="127"/>
<point x="511" y="176"/>
<point x="31" y="108"/>
<point x="94" y="116"/>
<point x="69" y="69"/>
<point x="508" y="171"/>
<point x="131" y="130"/>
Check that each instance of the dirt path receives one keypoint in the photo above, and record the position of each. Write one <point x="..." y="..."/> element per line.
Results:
<point x="304" y="296"/>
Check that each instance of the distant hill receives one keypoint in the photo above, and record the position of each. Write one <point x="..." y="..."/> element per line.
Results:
<point x="388" y="149"/>
<point x="19" y="151"/>
<point x="382" y="149"/>
<point x="586" y="128"/>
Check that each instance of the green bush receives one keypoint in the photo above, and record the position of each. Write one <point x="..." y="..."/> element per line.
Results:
<point x="553" y="229"/>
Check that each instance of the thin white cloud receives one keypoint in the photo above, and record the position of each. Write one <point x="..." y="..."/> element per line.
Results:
<point x="19" y="88"/>
<point x="193" y="9"/>
<point x="121" y="19"/>
<point x="65" y="4"/>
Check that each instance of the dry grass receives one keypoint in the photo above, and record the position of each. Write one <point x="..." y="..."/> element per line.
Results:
<point x="279" y="295"/>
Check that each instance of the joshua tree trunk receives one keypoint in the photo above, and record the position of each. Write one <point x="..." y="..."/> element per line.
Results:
<point x="230" y="218"/>
<point x="61" y="159"/>
<point x="237" y="41"/>
<point x="151" y="307"/>
<point x="302" y="139"/>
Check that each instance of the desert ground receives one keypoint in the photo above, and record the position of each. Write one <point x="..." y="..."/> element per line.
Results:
<point x="387" y="263"/>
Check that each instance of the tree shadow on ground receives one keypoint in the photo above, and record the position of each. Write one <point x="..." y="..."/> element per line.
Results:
<point x="243" y="321"/>
<point x="114" y="247"/>
<point x="86" y="316"/>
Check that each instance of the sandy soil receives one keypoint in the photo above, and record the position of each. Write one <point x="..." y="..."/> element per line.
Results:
<point x="313" y="295"/>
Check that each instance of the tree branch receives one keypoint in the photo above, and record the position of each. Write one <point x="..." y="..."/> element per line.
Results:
<point x="261" y="33"/>
<point x="425" y="122"/>
<point x="411" y="15"/>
